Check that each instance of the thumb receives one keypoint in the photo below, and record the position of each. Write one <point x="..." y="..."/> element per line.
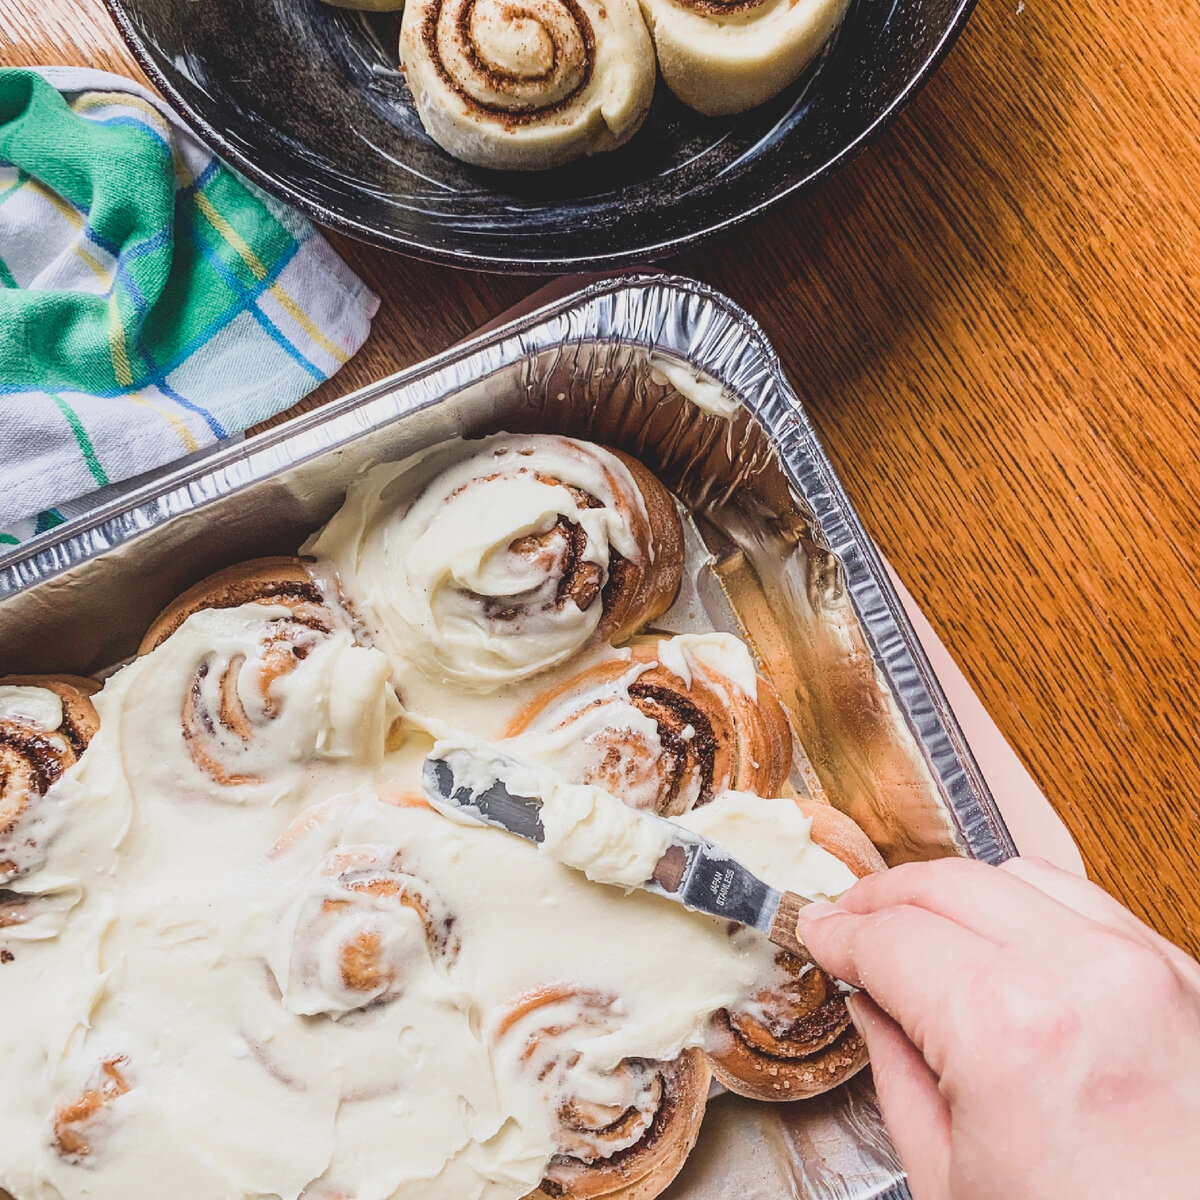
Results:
<point x="914" y="1110"/>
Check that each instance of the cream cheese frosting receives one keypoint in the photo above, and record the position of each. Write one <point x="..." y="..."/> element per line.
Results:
<point x="34" y="706"/>
<point x="199" y="995"/>
<point x="724" y="655"/>
<point x="255" y="962"/>
<point x="457" y="557"/>
<point x="656" y="722"/>
<point x="704" y="392"/>
<point x="204" y="961"/>
<point x="582" y="826"/>
<point x="612" y="842"/>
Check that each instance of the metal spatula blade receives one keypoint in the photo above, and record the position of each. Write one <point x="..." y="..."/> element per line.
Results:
<point x="693" y="871"/>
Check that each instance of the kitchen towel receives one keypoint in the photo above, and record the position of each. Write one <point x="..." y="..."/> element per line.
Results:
<point x="152" y="300"/>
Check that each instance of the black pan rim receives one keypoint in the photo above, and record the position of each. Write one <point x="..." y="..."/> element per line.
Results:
<point x="464" y="259"/>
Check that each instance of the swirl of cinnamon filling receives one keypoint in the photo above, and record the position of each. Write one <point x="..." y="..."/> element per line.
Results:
<point x="725" y="56"/>
<point x="619" y="1132"/>
<point x="491" y="561"/>
<point x="794" y="1038"/>
<point x="233" y="697"/>
<point x="46" y="721"/>
<point x="262" y="696"/>
<point x="79" y="1124"/>
<point x="239" y="668"/>
<point x="527" y="84"/>
<point x="361" y="927"/>
<point x="666" y="726"/>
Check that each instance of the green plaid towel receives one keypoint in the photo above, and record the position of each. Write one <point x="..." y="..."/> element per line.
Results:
<point x="152" y="301"/>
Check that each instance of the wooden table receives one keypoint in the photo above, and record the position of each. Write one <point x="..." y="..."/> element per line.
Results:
<point x="994" y="317"/>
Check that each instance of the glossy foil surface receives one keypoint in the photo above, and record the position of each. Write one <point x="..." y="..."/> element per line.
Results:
<point x="781" y="558"/>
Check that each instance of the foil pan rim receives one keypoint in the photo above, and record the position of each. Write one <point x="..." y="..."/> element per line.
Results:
<point x="668" y="314"/>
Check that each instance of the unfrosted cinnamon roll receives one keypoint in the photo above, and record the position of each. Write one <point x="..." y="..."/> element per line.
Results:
<point x="665" y="726"/>
<point x="46" y="721"/>
<point x="360" y="928"/>
<point x="794" y="1039"/>
<point x="79" y="1123"/>
<point x="725" y="56"/>
<point x="527" y="84"/>
<point x="483" y="563"/>
<point x="621" y="1133"/>
<point x="282" y="580"/>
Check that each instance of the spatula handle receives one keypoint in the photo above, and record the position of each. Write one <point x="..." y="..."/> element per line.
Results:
<point x="783" y="927"/>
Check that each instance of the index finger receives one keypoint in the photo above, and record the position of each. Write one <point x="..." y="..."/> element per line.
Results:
<point x="905" y="957"/>
<point x="998" y="905"/>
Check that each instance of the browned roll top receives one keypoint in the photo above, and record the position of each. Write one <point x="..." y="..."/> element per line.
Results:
<point x="358" y="893"/>
<point x="215" y="730"/>
<point x="559" y="553"/>
<point x="798" y="1041"/>
<point x="281" y="580"/>
<point x="215" y="722"/>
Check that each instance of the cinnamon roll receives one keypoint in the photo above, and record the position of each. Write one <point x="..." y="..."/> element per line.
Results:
<point x="284" y="581"/>
<point x="665" y="726"/>
<point x="527" y="84"/>
<point x="362" y="926"/>
<point x="794" y="1039"/>
<point x="484" y="563"/>
<point x="620" y="1133"/>
<point x="725" y="56"/>
<point x="258" y="696"/>
<point x="240" y="672"/>
<point x="46" y="721"/>
<point x="232" y="697"/>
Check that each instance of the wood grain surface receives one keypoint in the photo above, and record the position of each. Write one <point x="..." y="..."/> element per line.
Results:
<point x="994" y="317"/>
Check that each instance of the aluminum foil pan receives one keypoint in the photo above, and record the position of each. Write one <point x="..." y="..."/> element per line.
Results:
<point x="676" y="374"/>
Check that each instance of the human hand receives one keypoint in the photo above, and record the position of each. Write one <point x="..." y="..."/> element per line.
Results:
<point x="1030" y="1038"/>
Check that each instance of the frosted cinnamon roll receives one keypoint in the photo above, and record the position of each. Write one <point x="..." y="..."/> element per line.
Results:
<point x="725" y="56"/>
<point x="527" y="84"/>
<point x="232" y="707"/>
<point x="794" y="1038"/>
<point x="484" y="563"/>
<point x="664" y="726"/>
<point x="46" y="721"/>
<point x="282" y="581"/>
<point x="360" y="929"/>
<point x="620" y="1133"/>
<point x="234" y="697"/>
<point x="240" y="703"/>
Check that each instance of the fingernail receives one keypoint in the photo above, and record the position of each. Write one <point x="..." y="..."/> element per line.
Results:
<point x="820" y="910"/>
<point x="856" y="1006"/>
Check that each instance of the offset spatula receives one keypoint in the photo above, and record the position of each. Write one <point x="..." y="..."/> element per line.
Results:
<point x="693" y="871"/>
